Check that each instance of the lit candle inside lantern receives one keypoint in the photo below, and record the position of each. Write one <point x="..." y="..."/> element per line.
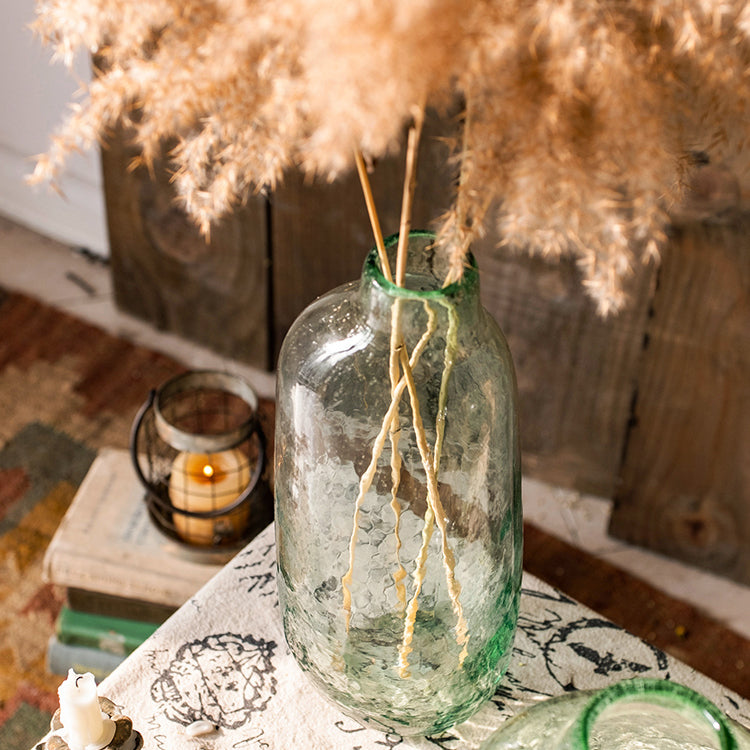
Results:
<point x="202" y="482"/>
<point x="85" y="726"/>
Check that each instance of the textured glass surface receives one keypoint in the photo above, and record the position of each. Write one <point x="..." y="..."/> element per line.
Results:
<point x="641" y="714"/>
<point x="401" y="610"/>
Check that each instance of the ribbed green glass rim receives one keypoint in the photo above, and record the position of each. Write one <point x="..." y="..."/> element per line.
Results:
<point x="373" y="271"/>
<point x="646" y="688"/>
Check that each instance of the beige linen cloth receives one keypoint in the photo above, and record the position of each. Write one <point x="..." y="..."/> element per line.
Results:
<point x="222" y="658"/>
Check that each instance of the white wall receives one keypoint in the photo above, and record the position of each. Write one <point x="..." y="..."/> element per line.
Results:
<point x="33" y="99"/>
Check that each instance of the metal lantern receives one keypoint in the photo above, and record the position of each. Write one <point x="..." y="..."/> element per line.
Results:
<point x="198" y="449"/>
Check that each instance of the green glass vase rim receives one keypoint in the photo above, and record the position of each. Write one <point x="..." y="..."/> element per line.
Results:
<point x="374" y="272"/>
<point x="645" y="687"/>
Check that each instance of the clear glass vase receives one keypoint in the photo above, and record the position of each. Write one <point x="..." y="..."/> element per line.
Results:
<point x="398" y="507"/>
<point x="639" y="714"/>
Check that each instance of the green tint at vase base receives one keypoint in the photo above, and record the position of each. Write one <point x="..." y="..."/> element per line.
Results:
<point x="364" y="681"/>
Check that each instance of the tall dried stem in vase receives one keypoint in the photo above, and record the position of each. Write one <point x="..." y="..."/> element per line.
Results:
<point x="401" y="371"/>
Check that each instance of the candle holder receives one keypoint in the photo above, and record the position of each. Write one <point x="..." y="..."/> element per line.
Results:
<point x="124" y="738"/>
<point x="198" y="449"/>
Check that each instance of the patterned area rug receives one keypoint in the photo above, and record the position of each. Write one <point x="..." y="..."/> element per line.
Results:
<point x="68" y="389"/>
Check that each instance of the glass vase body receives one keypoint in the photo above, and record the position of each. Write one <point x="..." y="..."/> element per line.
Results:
<point x="402" y="610"/>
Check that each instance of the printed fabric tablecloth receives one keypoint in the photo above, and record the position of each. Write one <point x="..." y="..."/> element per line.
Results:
<point x="222" y="657"/>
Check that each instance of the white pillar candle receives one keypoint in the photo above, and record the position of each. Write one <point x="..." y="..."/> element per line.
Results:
<point x="201" y="482"/>
<point x="85" y="726"/>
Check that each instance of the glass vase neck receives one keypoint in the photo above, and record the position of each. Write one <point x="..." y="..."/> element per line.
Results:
<point x="427" y="266"/>
<point x="695" y="712"/>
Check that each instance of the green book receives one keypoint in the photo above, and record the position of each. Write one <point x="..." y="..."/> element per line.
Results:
<point x="113" y="635"/>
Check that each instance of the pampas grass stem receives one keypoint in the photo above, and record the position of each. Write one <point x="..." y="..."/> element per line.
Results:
<point x="390" y="425"/>
<point x="372" y="212"/>
<point x="407" y="200"/>
<point x="437" y="515"/>
<point x="368" y="475"/>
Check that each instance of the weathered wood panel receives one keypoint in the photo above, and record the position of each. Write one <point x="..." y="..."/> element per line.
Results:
<point x="685" y="481"/>
<point x="164" y="271"/>
<point x="576" y="372"/>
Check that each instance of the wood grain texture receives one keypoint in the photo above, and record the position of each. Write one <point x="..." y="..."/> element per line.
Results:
<point x="576" y="372"/>
<point x="686" y="475"/>
<point x="215" y="294"/>
<point x="678" y="356"/>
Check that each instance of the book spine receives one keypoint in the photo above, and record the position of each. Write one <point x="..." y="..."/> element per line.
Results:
<point x="62" y="656"/>
<point x="112" y="634"/>
<point x="108" y="605"/>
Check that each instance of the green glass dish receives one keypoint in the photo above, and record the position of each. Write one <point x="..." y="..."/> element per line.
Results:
<point x="638" y="714"/>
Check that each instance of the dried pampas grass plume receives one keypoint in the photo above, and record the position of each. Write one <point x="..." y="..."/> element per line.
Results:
<point x="581" y="114"/>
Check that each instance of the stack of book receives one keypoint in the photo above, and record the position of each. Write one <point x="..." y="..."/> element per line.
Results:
<point x="87" y="642"/>
<point x="122" y="577"/>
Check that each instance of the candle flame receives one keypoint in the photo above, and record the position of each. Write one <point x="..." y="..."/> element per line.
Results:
<point x="208" y="471"/>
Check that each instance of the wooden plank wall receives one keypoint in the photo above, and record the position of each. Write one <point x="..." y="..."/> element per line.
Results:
<point x="684" y="485"/>
<point x="164" y="271"/>
<point x="650" y="407"/>
<point x="576" y="372"/>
